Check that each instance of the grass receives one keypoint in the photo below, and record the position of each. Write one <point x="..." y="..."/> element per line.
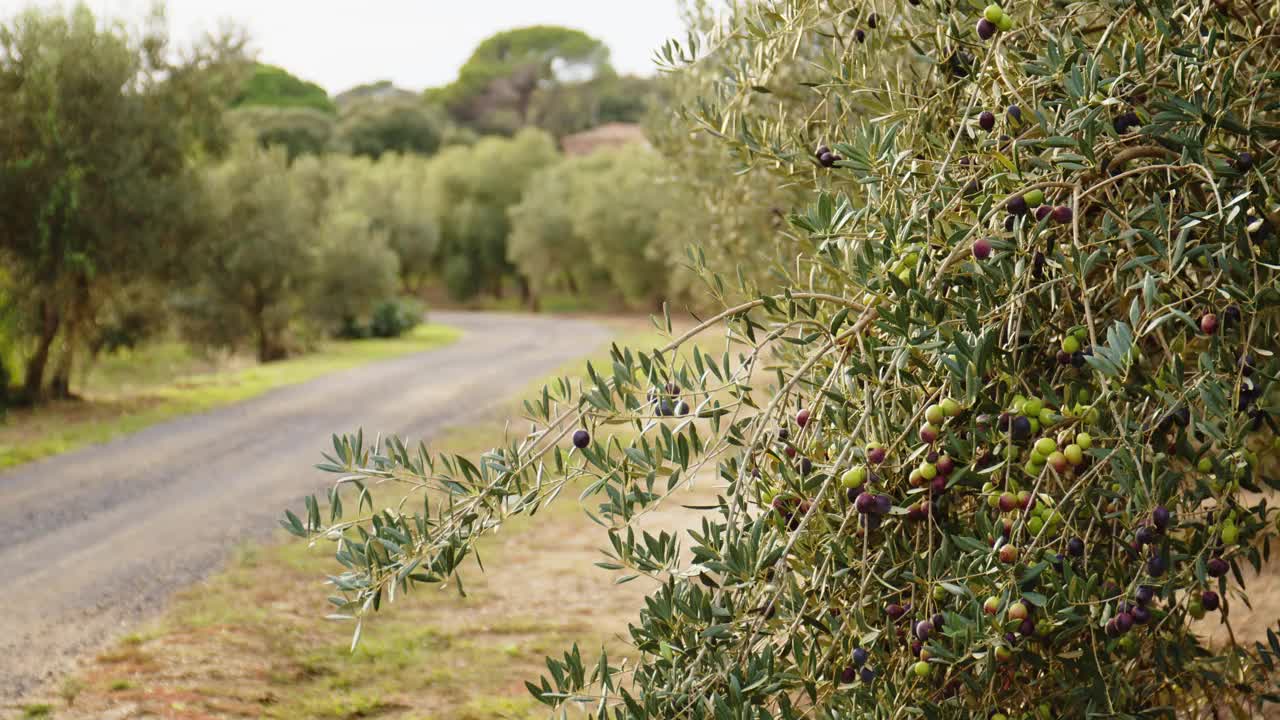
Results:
<point x="129" y="391"/>
<point x="251" y="642"/>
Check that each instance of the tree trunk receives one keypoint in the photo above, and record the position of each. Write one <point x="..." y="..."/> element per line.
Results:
<point x="34" y="380"/>
<point x="60" y="383"/>
<point x="527" y="296"/>
<point x="268" y="349"/>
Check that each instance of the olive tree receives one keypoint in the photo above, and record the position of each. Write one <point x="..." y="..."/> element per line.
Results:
<point x="356" y="270"/>
<point x="99" y="127"/>
<point x="396" y="196"/>
<point x="255" y="270"/>
<point x="618" y="213"/>
<point x="472" y="188"/>
<point x="545" y="244"/>
<point x="996" y="447"/>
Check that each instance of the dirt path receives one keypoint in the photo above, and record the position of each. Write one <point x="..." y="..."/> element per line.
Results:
<point x="94" y="541"/>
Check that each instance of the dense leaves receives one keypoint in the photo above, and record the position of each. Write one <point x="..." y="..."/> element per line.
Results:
<point x="1021" y="402"/>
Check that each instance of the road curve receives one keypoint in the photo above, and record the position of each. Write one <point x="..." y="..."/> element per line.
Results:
<point x="95" y="540"/>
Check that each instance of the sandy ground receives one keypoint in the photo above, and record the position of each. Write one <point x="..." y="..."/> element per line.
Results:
<point x="95" y="541"/>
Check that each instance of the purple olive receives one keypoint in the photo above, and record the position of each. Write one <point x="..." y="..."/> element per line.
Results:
<point x="581" y="439"/>
<point x="894" y="611"/>
<point x="1146" y="535"/>
<point x="1125" y="121"/>
<point x="1141" y="615"/>
<point x="1216" y="567"/>
<point x="1020" y="428"/>
<point x="1145" y="594"/>
<point x="1124" y="621"/>
<point x="945" y="465"/>
<point x="986" y="29"/>
<point x="986" y="120"/>
<point x="1161" y="517"/>
<point x="1075" y="547"/>
<point x="882" y="505"/>
<point x="1210" y="600"/>
<point x="1062" y="215"/>
<point x="1156" y="566"/>
<point x="859" y="657"/>
<point x="1244" y="162"/>
<point x="865" y="503"/>
<point x="924" y="628"/>
<point x="867" y="675"/>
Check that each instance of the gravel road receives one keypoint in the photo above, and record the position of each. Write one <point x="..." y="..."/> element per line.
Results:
<point x="94" y="541"/>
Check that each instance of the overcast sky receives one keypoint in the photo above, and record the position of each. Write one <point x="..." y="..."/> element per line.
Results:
<point x="414" y="43"/>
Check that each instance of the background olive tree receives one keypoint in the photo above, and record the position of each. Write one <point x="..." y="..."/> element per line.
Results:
<point x="997" y="446"/>
<point x="97" y="127"/>
<point x="593" y="225"/>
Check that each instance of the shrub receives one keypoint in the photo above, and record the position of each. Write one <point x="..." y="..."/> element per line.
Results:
<point x="393" y="318"/>
<point x="1010" y="457"/>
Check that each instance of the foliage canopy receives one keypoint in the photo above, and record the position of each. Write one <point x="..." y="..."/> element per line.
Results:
<point x="276" y="87"/>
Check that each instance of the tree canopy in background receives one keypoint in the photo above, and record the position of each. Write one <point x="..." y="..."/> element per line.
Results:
<point x="473" y="188"/>
<point x="495" y="88"/>
<point x="300" y="130"/>
<point x="276" y="87"/>
<point x="593" y="224"/>
<point x="124" y="218"/>
<point x="374" y="127"/>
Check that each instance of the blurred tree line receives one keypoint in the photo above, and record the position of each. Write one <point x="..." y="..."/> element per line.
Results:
<point x="149" y="189"/>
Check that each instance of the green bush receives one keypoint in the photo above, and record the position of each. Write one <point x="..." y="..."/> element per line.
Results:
<point x="997" y="446"/>
<point x="393" y="318"/>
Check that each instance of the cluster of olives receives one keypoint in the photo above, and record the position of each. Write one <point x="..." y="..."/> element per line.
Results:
<point x="993" y="18"/>
<point x="825" y="157"/>
<point x="668" y="402"/>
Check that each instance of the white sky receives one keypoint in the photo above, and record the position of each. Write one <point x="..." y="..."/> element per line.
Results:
<point x="414" y="43"/>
